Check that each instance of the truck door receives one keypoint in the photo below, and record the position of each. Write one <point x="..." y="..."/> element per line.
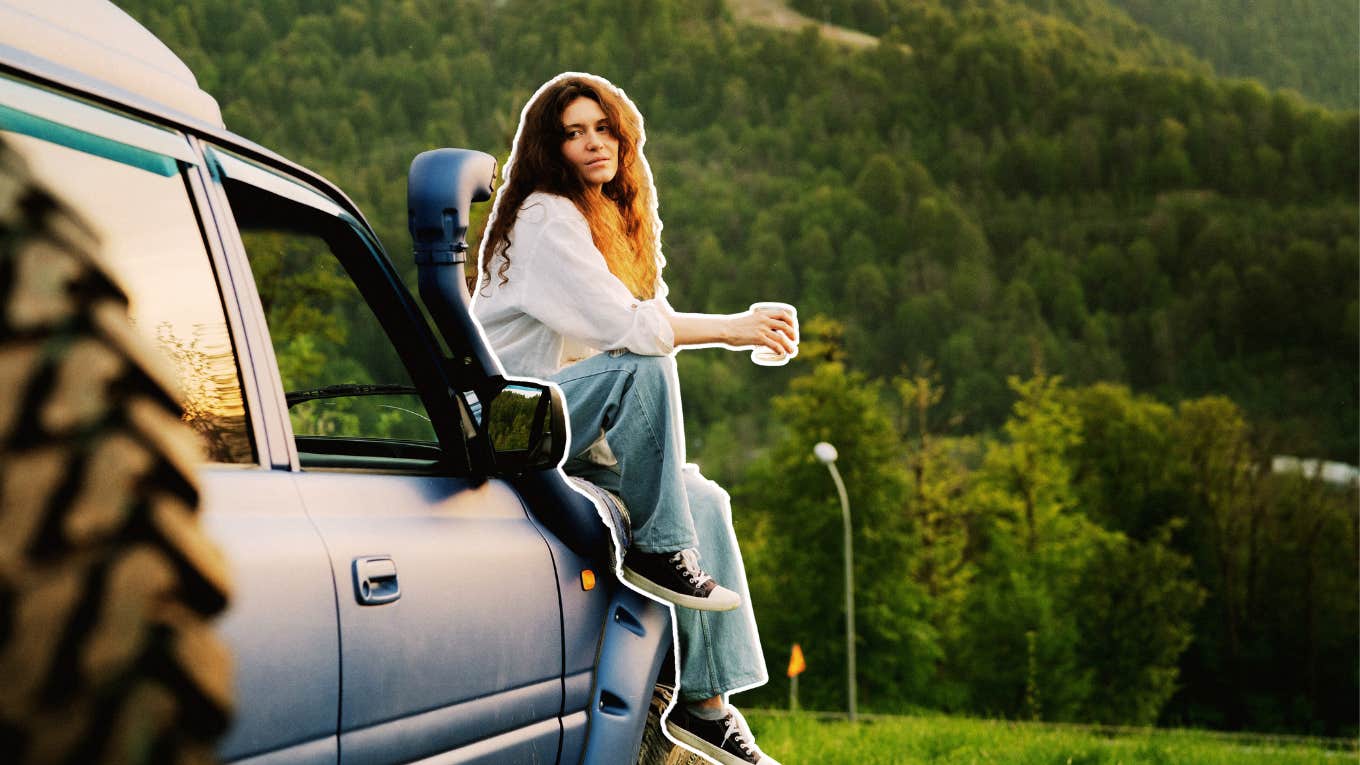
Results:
<point x="450" y="620"/>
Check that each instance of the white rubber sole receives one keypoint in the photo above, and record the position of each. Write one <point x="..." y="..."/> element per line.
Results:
<point x="701" y="746"/>
<point x="721" y="599"/>
<point x="705" y="749"/>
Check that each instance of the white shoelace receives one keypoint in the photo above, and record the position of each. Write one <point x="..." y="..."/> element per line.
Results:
<point x="736" y="726"/>
<point x="687" y="562"/>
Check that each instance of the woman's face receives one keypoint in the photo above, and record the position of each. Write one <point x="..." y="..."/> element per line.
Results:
<point x="589" y="143"/>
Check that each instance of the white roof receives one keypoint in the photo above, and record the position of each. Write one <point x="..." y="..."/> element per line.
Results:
<point x="99" y="41"/>
<point x="1338" y="473"/>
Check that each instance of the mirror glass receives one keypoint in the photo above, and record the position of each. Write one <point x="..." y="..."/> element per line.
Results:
<point x="510" y="418"/>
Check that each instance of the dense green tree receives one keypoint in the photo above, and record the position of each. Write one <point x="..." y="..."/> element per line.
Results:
<point x="1124" y="467"/>
<point x="938" y="478"/>
<point x="1021" y="651"/>
<point x="1134" y="604"/>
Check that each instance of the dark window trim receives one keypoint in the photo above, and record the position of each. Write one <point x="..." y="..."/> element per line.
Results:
<point x="201" y="198"/>
<point x="361" y="256"/>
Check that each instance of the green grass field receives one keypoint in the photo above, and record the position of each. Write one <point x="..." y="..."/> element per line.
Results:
<point x="884" y="740"/>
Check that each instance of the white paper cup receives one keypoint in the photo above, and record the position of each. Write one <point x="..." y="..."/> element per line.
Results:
<point x="764" y="356"/>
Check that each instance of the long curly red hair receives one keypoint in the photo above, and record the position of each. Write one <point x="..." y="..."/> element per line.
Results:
<point x="622" y="213"/>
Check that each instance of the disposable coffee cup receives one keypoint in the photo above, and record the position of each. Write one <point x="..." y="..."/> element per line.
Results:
<point x="766" y="357"/>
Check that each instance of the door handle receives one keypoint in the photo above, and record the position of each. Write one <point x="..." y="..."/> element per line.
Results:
<point x="375" y="580"/>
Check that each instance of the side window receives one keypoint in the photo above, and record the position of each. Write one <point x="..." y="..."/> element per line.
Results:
<point x="152" y="243"/>
<point x="351" y="400"/>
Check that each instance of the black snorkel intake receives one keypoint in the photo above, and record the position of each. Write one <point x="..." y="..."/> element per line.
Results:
<point x="442" y="186"/>
<point x="514" y="427"/>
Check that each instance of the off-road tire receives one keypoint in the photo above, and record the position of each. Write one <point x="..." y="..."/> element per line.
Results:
<point x="107" y="582"/>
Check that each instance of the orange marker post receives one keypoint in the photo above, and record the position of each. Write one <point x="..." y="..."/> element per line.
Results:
<point x="796" y="667"/>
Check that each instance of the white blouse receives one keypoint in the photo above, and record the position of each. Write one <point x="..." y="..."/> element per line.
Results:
<point x="561" y="303"/>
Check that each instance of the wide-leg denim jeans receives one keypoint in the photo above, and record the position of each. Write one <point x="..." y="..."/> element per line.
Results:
<point x="634" y="401"/>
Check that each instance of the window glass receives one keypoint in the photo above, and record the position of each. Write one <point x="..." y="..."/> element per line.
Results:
<point x="152" y="245"/>
<point x="343" y="379"/>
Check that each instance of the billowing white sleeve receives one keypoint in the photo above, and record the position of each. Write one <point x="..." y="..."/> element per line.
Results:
<point x="568" y="287"/>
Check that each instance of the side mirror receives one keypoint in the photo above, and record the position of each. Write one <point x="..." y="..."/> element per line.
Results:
<point x="526" y="423"/>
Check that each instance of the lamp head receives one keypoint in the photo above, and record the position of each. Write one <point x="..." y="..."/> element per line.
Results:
<point x="825" y="452"/>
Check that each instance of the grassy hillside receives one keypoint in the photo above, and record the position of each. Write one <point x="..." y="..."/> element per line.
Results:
<point x="1097" y="30"/>
<point x="1308" y="46"/>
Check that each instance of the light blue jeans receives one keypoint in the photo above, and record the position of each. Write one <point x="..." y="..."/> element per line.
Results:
<point x="635" y="402"/>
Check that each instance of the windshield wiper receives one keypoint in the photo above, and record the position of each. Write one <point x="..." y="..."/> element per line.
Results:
<point x="347" y="390"/>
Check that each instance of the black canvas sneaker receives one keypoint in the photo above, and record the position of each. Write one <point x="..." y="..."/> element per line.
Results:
<point x="675" y="577"/>
<point x="727" y="741"/>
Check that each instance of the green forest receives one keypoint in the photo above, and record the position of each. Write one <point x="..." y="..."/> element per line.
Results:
<point x="1071" y="274"/>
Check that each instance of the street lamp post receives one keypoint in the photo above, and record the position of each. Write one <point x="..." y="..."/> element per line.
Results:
<point x="826" y="453"/>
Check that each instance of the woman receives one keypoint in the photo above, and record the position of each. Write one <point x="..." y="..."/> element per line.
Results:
<point x="570" y="291"/>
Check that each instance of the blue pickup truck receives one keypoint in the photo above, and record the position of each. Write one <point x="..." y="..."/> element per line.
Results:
<point x="412" y="577"/>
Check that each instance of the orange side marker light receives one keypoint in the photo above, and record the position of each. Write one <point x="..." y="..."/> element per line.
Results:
<point x="587" y="579"/>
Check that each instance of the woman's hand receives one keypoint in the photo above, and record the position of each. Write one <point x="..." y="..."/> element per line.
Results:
<point x="773" y="329"/>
